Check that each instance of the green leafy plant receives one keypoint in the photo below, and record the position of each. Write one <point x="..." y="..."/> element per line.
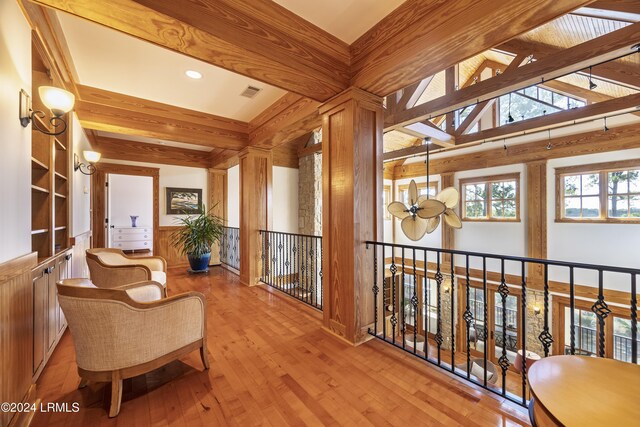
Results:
<point x="197" y="233"/>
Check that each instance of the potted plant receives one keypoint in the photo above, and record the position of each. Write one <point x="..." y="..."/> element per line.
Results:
<point x="196" y="236"/>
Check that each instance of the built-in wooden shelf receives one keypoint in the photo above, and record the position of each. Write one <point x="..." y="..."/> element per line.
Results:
<point x="59" y="175"/>
<point x="37" y="164"/>
<point x="62" y="227"/>
<point x="39" y="231"/>
<point x="59" y="145"/>
<point x="62" y="196"/>
<point x="40" y="189"/>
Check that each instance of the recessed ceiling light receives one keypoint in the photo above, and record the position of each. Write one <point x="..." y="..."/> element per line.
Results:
<point x="193" y="74"/>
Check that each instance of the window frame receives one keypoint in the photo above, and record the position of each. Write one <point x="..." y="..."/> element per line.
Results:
<point x="489" y="180"/>
<point x="386" y="196"/>
<point x="421" y="185"/>
<point x="603" y="170"/>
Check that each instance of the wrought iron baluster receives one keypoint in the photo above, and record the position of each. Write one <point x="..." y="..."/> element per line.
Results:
<point x="453" y="312"/>
<point x="545" y="337"/>
<point x="602" y="310"/>
<point x="485" y="316"/>
<point x="468" y="317"/>
<point x="414" y="304"/>
<point x="523" y="332"/>
<point x="294" y="256"/>
<point x="634" y="321"/>
<point x="403" y="315"/>
<point x="572" y="310"/>
<point x="375" y="289"/>
<point x="425" y="305"/>
<point x="503" y="361"/>
<point x="439" y="278"/>
<point x="385" y="288"/>
<point x="394" y="270"/>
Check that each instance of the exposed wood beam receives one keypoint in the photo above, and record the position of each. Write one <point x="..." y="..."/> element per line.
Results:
<point x="449" y="89"/>
<point x="287" y="119"/>
<point x="481" y="108"/>
<point x="576" y="58"/>
<point x="626" y="6"/>
<point x="112" y="112"/>
<point x="628" y="103"/>
<point x="425" y="131"/>
<point x="47" y="28"/>
<point x="619" y="138"/>
<point x="590" y="96"/>
<point x="474" y="117"/>
<point x="406" y="152"/>
<point x="224" y="159"/>
<point x="615" y="71"/>
<point x="412" y="93"/>
<point x="145" y="106"/>
<point x="421" y="38"/>
<point x="259" y="39"/>
<point x="123" y="149"/>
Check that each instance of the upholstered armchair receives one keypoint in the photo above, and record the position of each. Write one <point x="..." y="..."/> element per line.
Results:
<point x="117" y="337"/>
<point x="110" y="268"/>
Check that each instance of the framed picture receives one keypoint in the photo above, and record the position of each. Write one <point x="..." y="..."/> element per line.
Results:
<point x="183" y="201"/>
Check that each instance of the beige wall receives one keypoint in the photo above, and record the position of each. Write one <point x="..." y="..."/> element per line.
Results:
<point x="15" y="141"/>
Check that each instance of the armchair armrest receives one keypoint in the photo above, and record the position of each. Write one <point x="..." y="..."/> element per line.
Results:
<point x="146" y="291"/>
<point x="153" y="263"/>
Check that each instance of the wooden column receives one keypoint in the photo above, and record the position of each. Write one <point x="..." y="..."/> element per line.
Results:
<point x="256" y="166"/>
<point x="448" y="233"/>
<point x="450" y="79"/>
<point x="217" y="203"/>
<point x="536" y="217"/>
<point x="352" y="125"/>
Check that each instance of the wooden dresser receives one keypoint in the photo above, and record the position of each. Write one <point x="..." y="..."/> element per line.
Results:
<point x="132" y="238"/>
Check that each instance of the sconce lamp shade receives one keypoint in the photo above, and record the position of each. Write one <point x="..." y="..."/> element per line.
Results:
<point x="92" y="156"/>
<point x="59" y="101"/>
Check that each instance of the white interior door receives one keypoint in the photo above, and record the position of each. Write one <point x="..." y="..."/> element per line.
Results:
<point x="107" y="222"/>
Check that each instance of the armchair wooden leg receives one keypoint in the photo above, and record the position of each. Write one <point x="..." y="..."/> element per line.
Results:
<point x="116" y="395"/>
<point x="83" y="383"/>
<point x="204" y="356"/>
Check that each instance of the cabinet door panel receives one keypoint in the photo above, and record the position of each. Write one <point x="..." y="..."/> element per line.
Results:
<point x="53" y="308"/>
<point x="40" y="289"/>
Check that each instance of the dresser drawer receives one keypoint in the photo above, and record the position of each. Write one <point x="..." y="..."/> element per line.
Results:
<point x="131" y="230"/>
<point x="132" y="245"/>
<point x="127" y="237"/>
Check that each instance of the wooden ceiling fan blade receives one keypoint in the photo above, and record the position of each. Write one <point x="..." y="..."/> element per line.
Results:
<point x="413" y="193"/>
<point x="432" y="224"/>
<point x="452" y="219"/>
<point x="398" y="209"/>
<point x="414" y="227"/>
<point x="431" y="208"/>
<point x="449" y="196"/>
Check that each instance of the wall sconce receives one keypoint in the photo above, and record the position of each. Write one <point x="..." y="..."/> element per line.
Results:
<point x="91" y="157"/>
<point x="59" y="101"/>
<point x="536" y="310"/>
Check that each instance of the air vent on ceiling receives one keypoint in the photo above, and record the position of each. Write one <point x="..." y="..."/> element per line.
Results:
<point x="250" y="92"/>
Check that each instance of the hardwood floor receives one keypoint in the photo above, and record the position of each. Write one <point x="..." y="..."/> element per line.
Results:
<point x="272" y="364"/>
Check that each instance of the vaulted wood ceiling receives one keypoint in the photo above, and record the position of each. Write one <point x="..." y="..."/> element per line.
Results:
<point x="265" y="41"/>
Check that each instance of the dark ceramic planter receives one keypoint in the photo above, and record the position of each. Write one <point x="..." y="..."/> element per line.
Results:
<point x="199" y="264"/>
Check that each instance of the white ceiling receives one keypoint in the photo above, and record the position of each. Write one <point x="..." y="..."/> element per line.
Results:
<point x="153" y="141"/>
<point x="345" y="19"/>
<point x="109" y="60"/>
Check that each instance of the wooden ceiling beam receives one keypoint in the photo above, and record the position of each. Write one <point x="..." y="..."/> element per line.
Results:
<point x="627" y="103"/>
<point x="124" y="149"/>
<point x="287" y="119"/>
<point x="113" y="112"/>
<point x="259" y="39"/>
<point x="421" y="38"/>
<point x="626" y="6"/>
<point x="615" y="139"/>
<point x="603" y="48"/>
<point x="614" y="71"/>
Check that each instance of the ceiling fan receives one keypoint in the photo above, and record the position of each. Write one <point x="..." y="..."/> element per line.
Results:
<point x="422" y="216"/>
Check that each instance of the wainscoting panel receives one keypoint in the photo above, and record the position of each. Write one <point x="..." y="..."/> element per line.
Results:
<point x="166" y="250"/>
<point x="16" y="333"/>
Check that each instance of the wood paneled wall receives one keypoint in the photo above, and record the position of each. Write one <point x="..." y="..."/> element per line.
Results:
<point x="166" y="250"/>
<point x="217" y="203"/>
<point x="80" y="244"/>
<point x="16" y="331"/>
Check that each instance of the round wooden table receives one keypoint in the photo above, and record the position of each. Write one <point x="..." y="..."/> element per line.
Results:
<point x="584" y="391"/>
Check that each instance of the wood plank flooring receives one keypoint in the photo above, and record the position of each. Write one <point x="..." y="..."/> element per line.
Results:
<point x="272" y="364"/>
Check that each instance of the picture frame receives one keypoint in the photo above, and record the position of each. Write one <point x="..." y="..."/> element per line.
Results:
<point x="183" y="201"/>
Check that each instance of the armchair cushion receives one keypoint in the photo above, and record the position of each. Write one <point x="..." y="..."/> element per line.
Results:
<point x="159" y="276"/>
